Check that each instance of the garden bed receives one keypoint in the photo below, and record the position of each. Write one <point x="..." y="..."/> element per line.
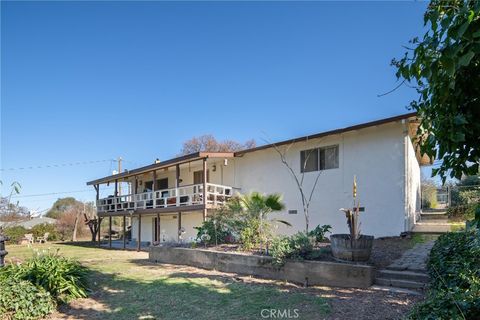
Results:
<point x="303" y="272"/>
<point x="384" y="251"/>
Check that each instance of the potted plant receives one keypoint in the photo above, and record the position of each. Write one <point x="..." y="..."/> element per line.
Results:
<point x="353" y="246"/>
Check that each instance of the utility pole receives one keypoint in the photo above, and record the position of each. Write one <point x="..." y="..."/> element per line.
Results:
<point x="119" y="171"/>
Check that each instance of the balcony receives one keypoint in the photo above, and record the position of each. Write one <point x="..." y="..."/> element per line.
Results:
<point x="189" y="196"/>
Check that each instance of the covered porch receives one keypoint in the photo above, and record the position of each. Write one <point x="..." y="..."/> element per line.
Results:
<point x="165" y="192"/>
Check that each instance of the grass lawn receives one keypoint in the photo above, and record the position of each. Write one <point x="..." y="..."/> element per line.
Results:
<point x="126" y="286"/>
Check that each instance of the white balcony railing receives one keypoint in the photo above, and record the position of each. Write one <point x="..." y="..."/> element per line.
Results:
<point x="173" y="197"/>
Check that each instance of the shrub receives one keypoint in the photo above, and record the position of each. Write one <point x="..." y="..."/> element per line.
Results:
<point x="65" y="225"/>
<point x="217" y="232"/>
<point x="280" y="250"/>
<point x="250" y="234"/>
<point x="63" y="278"/>
<point x="319" y="232"/>
<point x="299" y="247"/>
<point x="463" y="212"/>
<point x="15" y="233"/>
<point x="454" y="268"/>
<point x="20" y="299"/>
<point x="40" y="229"/>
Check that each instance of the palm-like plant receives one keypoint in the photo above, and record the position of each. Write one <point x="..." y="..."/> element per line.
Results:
<point x="257" y="206"/>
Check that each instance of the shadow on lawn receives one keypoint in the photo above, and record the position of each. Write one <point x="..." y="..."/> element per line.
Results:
<point x="186" y="295"/>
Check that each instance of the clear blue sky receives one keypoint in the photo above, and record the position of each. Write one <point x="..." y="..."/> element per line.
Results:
<point x="93" y="81"/>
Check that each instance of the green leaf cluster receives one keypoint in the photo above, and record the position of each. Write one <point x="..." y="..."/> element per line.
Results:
<point x="63" y="278"/>
<point x="444" y="67"/>
<point x="22" y="300"/>
<point x="15" y="233"/>
<point x="454" y="268"/>
<point x="299" y="246"/>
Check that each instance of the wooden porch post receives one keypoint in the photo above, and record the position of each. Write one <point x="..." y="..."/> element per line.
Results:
<point x="139" y="240"/>
<point x="179" y="225"/>
<point x="110" y="232"/>
<point x="154" y="177"/>
<point x="158" y="227"/>
<point x="124" y="232"/>
<point x="97" y="197"/>
<point x="116" y="188"/>
<point x="205" y="171"/>
<point x="177" y="175"/>
<point x="97" y="189"/>
<point x="99" y="224"/>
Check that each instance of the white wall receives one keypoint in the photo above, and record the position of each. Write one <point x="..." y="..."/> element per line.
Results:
<point x="375" y="155"/>
<point x="413" y="184"/>
<point x="168" y="226"/>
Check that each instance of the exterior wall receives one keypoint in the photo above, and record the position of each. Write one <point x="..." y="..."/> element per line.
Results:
<point x="412" y="184"/>
<point x="223" y="174"/>
<point x="375" y="155"/>
<point x="168" y="227"/>
<point x="382" y="158"/>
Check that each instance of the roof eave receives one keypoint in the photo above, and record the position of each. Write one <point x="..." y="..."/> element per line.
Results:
<point x="156" y="166"/>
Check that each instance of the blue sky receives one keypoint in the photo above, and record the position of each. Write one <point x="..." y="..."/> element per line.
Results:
<point x="93" y="81"/>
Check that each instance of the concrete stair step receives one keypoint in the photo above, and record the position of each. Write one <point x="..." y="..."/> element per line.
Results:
<point x="434" y="221"/>
<point x="403" y="275"/>
<point x="434" y="211"/>
<point x="433" y="216"/>
<point x="400" y="283"/>
<point x="431" y="228"/>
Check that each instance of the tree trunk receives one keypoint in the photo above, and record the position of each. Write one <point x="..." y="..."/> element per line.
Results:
<point x="75" y="227"/>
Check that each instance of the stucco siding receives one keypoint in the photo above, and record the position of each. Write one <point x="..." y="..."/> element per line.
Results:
<point x="374" y="155"/>
<point x="382" y="158"/>
<point x="412" y="184"/>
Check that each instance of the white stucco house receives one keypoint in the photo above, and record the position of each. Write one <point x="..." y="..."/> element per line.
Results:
<point x="178" y="194"/>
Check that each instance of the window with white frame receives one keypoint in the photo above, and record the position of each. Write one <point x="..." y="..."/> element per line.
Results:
<point x="319" y="159"/>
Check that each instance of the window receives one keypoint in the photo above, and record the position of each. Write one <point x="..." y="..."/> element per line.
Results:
<point x="319" y="159"/>
<point x="309" y="160"/>
<point x="198" y="177"/>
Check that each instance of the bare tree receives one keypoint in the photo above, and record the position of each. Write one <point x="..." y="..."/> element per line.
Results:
<point x="92" y="220"/>
<point x="208" y="143"/>
<point x="305" y="195"/>
<point x="12" y="211"/>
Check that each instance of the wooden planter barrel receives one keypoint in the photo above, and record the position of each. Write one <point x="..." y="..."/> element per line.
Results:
<point x="345" y="249"/>
<point x="3" y="252"/>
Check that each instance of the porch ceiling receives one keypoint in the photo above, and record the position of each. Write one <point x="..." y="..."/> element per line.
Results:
<point x="162" y="165"/>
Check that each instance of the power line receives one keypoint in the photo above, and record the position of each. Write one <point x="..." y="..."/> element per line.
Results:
<point x="54" y="193"/>
<point x="59" y="165"/>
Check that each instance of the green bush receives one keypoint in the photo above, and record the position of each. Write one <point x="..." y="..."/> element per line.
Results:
<point x="454" y="268"/>
<point x="15" y="233"/>
<point x="463" y="212"/>
<point x="218" y="233"/>
<point x="280" y="250"/>
<point x="319" y="232"/>
<point x="20" y="299"/>
<point x="40" y="229"/>
<point x="298" y="247"/>
<point x="63" y="278"/>
<point x="250" y="234"/>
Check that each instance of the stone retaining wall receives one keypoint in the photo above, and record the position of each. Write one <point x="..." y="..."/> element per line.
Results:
<point x="313" y="272"/>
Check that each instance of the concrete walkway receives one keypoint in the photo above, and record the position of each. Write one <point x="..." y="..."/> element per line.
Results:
<point x="413" y="259"/>
<point x="409" y="271"/>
